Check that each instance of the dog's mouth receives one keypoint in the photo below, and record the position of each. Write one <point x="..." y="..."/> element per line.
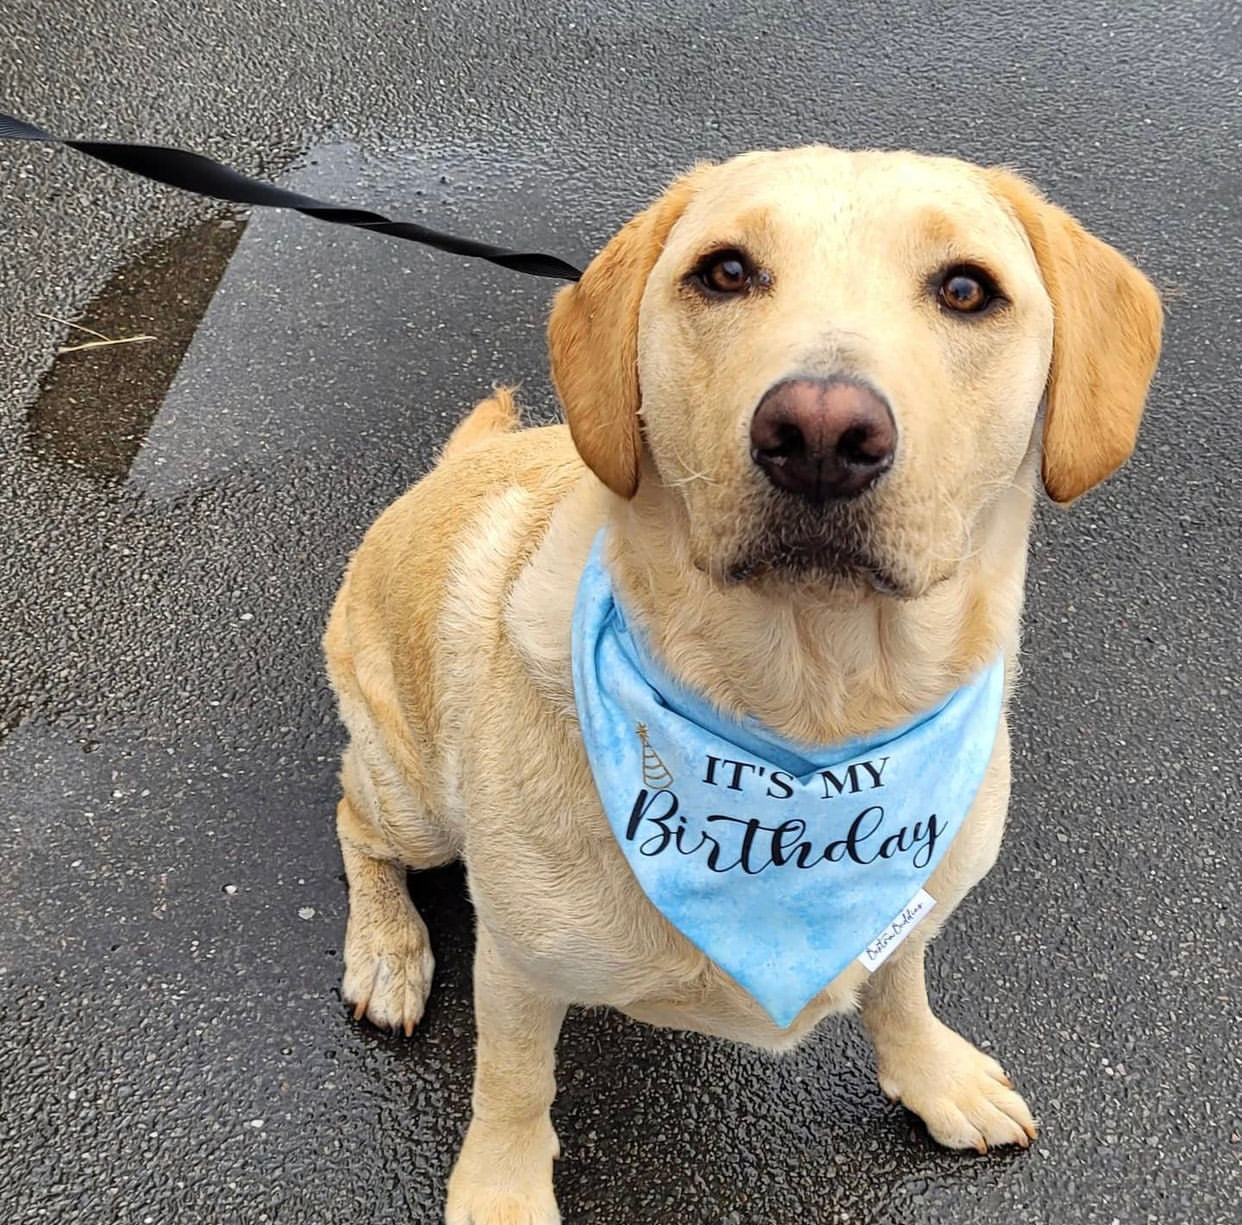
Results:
<point x="835" y="551"/>
<point x="834" y="548"/>
<point x="812" y="566"/>
<point x="851" y="548"/>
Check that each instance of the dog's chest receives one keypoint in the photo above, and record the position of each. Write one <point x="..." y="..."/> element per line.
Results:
<point x="553" y="887"/>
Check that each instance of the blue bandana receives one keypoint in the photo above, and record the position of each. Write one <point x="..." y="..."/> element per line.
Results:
<point x="782" y="863"/>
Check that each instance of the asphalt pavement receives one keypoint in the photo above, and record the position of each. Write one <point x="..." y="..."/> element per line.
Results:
<point x="177" y="512"/>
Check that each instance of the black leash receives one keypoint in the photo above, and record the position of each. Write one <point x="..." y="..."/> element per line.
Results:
<point x="193" y="172"/>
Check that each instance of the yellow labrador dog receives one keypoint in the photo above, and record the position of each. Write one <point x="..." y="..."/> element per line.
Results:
<point x="809" y="395"/>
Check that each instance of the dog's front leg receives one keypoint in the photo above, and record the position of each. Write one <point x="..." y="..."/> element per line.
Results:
<point x="962" y="1095"/>
<point x="503" y="1175"/>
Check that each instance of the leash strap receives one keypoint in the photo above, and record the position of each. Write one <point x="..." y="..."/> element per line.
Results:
<point x="193" y="172"/>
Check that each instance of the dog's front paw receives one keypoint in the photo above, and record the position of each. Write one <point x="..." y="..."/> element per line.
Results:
<point x="504" y="1177"/>
<point x="962" y="1095"/>
<point x="388" y="968"/>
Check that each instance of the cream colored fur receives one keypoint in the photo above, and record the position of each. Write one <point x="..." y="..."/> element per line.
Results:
<point x="449" y="643"/>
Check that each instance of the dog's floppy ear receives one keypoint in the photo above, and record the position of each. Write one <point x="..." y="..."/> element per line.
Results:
<point x="1106" y="339"/>
<point x="593" y="338"/>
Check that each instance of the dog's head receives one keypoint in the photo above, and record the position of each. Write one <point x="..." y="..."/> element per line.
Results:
<point x="834" y="362"/>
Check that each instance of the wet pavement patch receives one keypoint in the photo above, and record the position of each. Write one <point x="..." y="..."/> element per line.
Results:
<point x="120" y="357"/>
<point x="242" y="342"/>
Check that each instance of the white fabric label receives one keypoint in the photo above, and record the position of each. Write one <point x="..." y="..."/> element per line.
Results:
<point x="880" y="949"/>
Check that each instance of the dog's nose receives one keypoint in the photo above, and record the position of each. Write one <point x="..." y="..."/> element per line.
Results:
<point x="823" y="439"/>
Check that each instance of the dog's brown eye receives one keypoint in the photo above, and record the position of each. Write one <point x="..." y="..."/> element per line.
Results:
<point x="967" y="290"/>
<point x="726" y="272"/>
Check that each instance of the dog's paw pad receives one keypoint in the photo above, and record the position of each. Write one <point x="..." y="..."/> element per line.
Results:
<point x="388" y="970"/>
<point x="962" y="1095"/>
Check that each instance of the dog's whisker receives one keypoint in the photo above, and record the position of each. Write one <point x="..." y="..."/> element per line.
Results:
<point x="691" y="473"/>
<point x="690" y="478"/>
